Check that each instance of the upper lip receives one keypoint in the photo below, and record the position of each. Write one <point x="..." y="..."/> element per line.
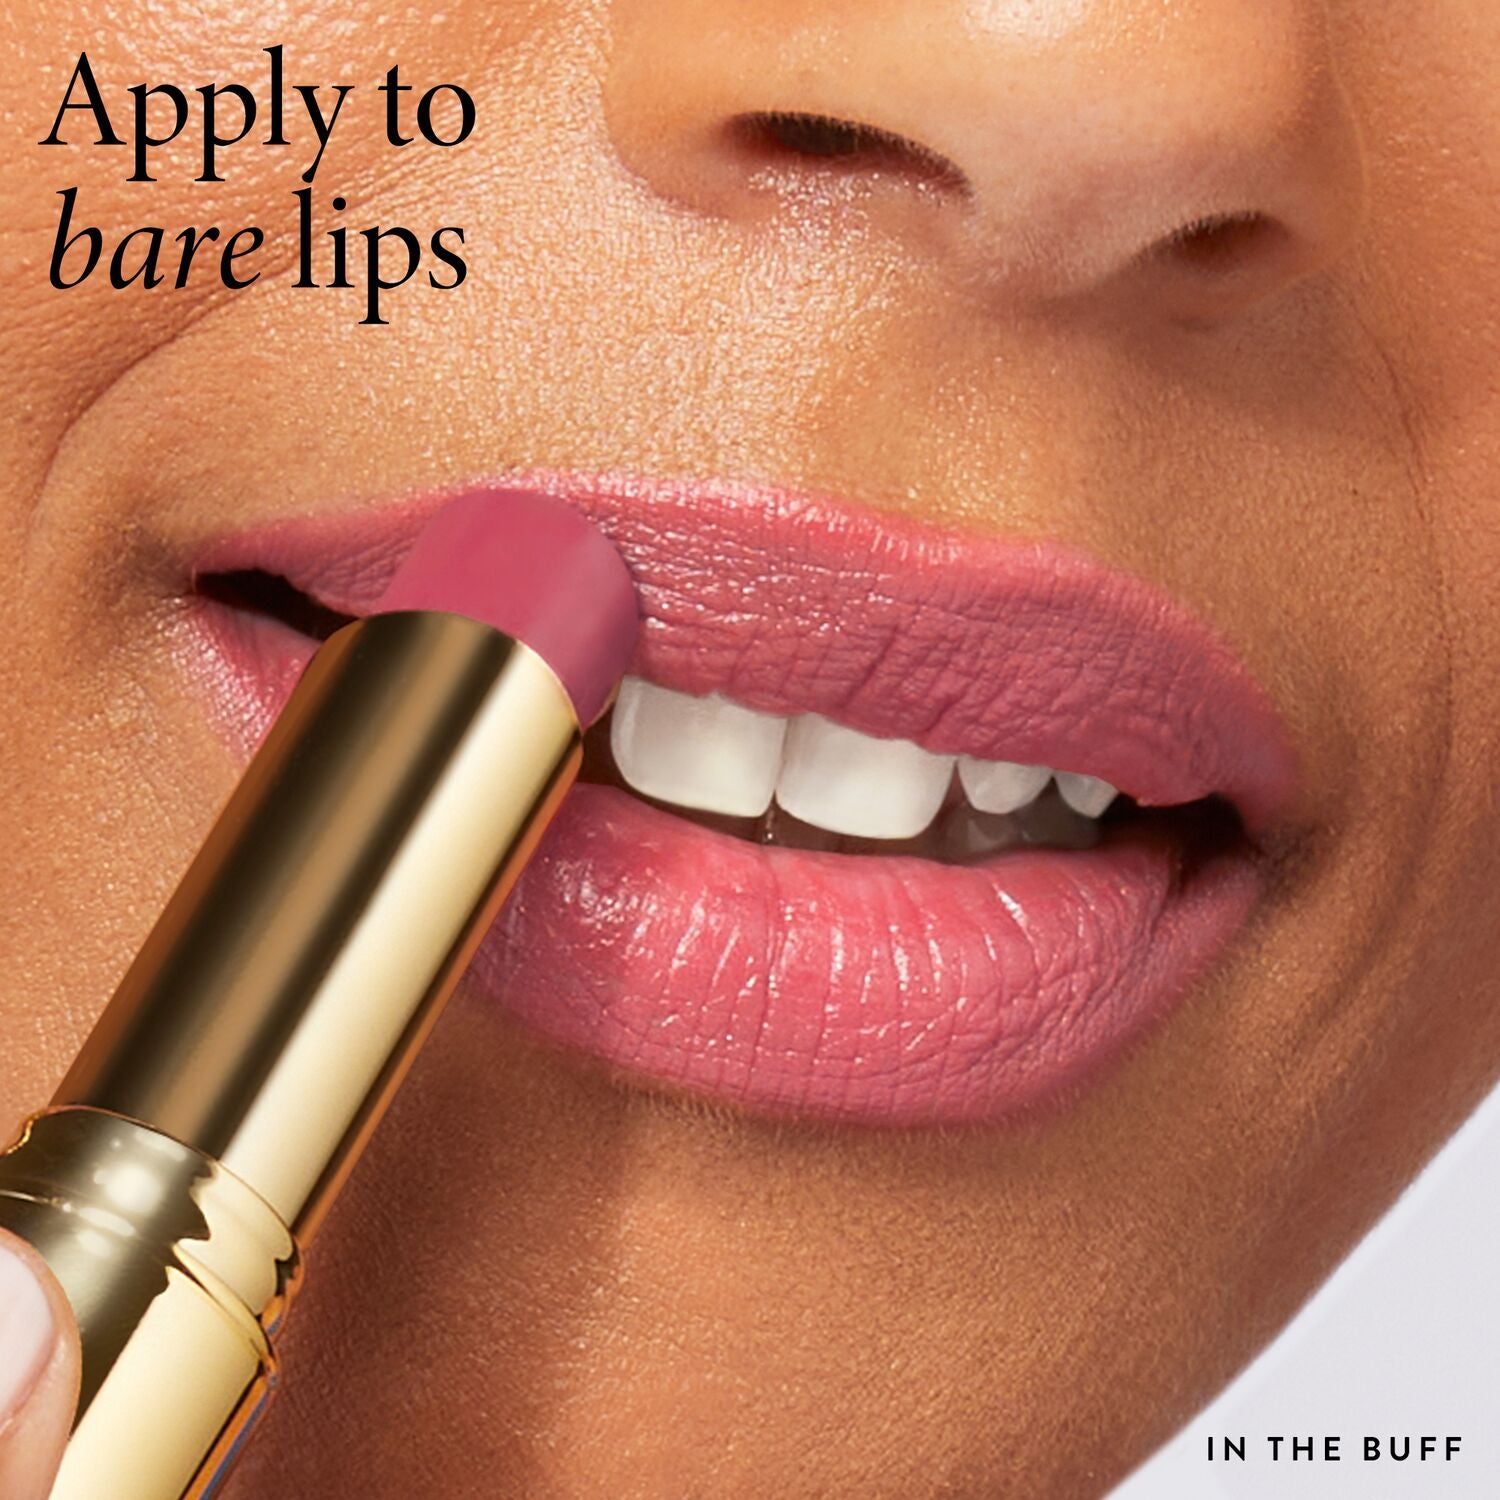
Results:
<point x="965" y="644"/>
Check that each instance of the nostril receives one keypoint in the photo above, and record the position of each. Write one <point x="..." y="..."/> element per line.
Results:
<point x="1220" y="242"/>
<point x="789" y="137"/>
<point x="1213" y="266"/>
<point x="806" y="135"/>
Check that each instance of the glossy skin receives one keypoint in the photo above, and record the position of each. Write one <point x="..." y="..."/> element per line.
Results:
<point x="551" y="1282"/>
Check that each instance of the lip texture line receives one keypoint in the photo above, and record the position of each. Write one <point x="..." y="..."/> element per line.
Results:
<point x="883" y="989"/>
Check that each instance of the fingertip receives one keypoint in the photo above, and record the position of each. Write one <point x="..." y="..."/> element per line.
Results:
<point x="39" y="1368"/>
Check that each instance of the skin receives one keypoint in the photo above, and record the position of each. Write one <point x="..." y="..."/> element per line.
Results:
<point x="39" y="1388"/>
<point x="550" y="1281"/>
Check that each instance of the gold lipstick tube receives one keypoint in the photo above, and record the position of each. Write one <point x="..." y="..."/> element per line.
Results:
<point x="231" y="1083"/>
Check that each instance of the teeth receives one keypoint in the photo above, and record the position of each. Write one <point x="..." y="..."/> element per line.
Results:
<point x="704" y="753"/>
<point x="715" y="756"/>
<point x="1000" y="786"/>
<point x="849" y="783"/>
<point x="1085" y="794"/>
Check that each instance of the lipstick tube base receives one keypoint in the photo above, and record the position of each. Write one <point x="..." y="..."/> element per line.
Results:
<point x="159" y="1250"/>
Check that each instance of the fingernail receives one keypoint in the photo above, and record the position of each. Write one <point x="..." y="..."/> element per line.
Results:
<point x="26" y="1332"/>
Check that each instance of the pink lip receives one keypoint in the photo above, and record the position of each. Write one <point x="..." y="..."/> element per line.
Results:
<point x="880" y="989"/>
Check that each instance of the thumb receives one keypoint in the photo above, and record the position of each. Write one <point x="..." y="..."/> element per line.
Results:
<point x="38" y="1372"/>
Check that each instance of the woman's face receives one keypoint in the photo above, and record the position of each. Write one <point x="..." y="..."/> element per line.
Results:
<point x="1012" y="307"/>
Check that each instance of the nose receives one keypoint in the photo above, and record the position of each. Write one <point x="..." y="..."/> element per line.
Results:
<point x="1199" y="154"/>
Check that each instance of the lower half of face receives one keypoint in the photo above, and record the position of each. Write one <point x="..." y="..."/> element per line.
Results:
<point x="1029" y="909"/>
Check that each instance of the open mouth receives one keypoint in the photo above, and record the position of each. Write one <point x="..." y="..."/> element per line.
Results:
<point x="261" y="595"/>
<point x="807" y="782"/>
<point x="885" y="826"/>
<point x="804" y="781"/>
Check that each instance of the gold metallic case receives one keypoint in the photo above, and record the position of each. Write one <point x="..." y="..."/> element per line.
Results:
<point x="234" y="1078"/>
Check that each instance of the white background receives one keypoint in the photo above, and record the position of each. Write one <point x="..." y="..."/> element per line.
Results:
<point x="1404" y="1339"/>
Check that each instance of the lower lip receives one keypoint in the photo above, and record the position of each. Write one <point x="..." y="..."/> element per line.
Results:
<point x="880" y="990"/>
<point x="876" y="990"/>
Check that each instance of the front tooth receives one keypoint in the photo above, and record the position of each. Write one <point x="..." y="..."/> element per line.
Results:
<point x="1000" y="786"/>
<point x="850" y="783"/>
<point x="1085" y="794"/>
<point x="704" y="753"/>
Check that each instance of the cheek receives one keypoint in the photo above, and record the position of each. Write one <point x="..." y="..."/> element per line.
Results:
<point x="109" y="776"/>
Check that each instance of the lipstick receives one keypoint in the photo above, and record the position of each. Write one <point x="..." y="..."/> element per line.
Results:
<point x="209" y="1121"/>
